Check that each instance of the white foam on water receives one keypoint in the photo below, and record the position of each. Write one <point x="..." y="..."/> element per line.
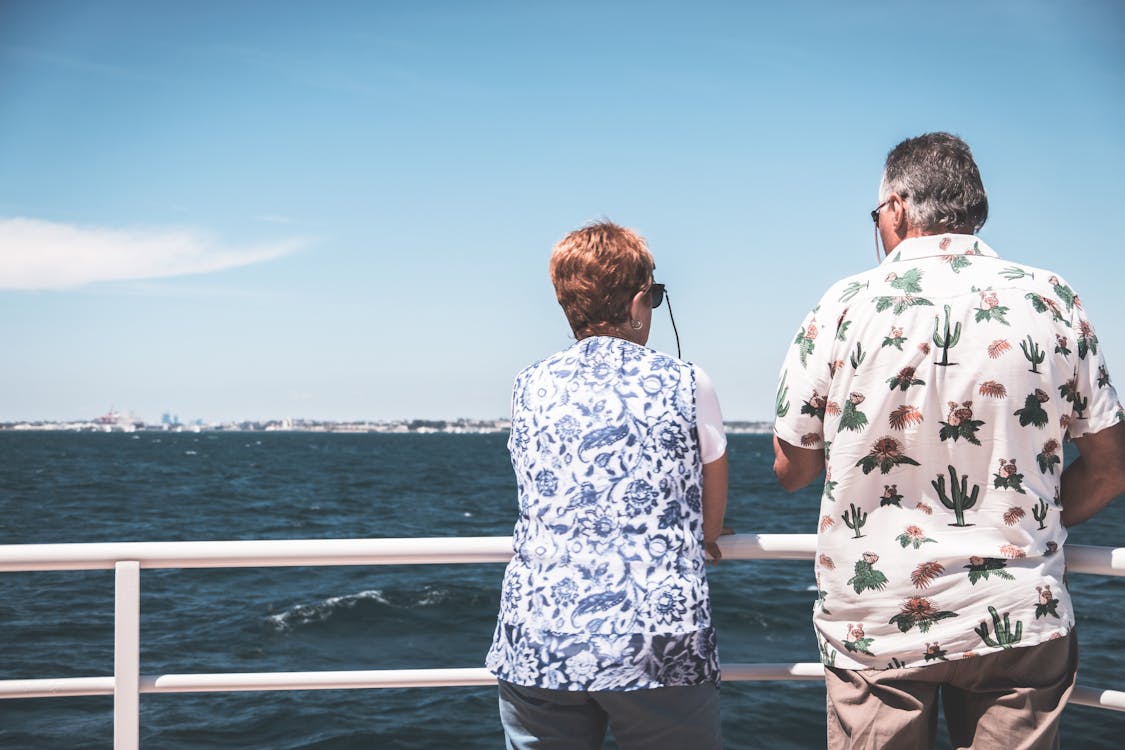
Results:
<point x="432" y="596"/>
<point x="306" y="614"/>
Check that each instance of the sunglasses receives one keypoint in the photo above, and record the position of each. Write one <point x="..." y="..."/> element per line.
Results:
<point x="875" y="213"/>
<point x="657" y="293"/>
<point x="875" y="219"/>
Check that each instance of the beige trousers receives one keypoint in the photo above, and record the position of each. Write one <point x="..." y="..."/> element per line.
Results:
<point x="1012" y="700"/>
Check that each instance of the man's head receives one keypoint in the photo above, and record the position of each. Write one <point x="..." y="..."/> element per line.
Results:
<point x="931" y="185"/>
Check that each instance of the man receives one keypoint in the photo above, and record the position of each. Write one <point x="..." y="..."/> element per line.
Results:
<point x="937" y="391"/>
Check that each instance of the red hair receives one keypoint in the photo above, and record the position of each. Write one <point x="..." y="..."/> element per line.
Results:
<point x="597" y="270"/>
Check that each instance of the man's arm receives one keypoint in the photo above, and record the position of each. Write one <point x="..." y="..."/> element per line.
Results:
<point x="796" y="467"/>
<point x="1096" y="476"/>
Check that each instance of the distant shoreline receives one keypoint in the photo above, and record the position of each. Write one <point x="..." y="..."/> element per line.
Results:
<point x="388" y="427"/>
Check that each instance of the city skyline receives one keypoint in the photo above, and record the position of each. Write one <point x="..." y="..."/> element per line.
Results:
<point x="256" y="210"/>
<point x="123" y="422"/>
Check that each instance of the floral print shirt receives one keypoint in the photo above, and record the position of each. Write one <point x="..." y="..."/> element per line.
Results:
<point x="941" y="386"/>
<point x="607" y="588"/>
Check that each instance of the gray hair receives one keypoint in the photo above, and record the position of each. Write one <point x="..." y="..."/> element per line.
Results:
<point x="936" y="175"/>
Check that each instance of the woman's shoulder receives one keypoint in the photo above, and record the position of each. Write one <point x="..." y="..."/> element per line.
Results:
<point x="618" y="354"/>
<point x="547" y="363"/>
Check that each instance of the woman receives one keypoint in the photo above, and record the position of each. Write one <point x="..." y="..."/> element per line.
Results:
<point x="620" y="461"/>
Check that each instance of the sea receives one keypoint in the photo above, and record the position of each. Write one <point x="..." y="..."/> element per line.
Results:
<point x="60" y="487"/>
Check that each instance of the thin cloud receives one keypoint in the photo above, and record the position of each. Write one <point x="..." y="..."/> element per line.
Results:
<point x="76" y="64"/>
<point x="38" y="254"/>
<point x="274" y="219"/>
<point x="165" y="289"/>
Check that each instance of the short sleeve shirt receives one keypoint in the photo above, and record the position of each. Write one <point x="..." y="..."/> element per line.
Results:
<point x="941" y="386"/>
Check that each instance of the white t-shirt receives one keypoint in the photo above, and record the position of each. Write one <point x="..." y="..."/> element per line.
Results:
<point x="708" y="418"/>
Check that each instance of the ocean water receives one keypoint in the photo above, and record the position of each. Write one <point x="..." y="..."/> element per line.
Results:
<point x="68" y="487"/>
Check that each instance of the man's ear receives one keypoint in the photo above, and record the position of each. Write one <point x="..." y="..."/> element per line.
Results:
<point x="896" y="207"/>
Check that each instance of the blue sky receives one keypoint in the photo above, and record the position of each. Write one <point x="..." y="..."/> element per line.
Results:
<point x="342" y="210"/>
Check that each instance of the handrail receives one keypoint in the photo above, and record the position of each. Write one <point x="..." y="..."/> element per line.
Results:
<point x="128" y="558"/>
<point x="411" y="678"/>
<point x="260" y="553"/>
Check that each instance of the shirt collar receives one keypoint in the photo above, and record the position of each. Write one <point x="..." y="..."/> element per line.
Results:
<point x="936" y="245"/>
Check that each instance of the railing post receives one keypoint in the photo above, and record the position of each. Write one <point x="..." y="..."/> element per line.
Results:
<point x="127" y="655"/>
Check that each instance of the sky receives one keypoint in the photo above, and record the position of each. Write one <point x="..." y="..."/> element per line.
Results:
<point x="345" y="210"/>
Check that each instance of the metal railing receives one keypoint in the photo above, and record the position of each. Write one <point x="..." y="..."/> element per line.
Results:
<point x="127" y="559"/>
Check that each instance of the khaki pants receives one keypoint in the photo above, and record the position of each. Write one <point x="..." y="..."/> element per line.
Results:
<point x="1012" y="699"/>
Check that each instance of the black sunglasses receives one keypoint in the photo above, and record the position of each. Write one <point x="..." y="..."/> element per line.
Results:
<point x="875" y="213"/>
<point x="657" y="293"/>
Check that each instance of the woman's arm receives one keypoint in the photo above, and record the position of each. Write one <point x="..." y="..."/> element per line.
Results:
<point x="714" y="504"/>
<point x="713" y="452"/>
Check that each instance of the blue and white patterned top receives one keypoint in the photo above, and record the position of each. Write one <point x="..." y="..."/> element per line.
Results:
<point x="607" y="589"/>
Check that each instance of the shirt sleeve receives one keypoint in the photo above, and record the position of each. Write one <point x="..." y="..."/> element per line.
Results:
<point x="708" y="418"/>
<point x="804" y="381"/>
<point x="1094" y="401"/>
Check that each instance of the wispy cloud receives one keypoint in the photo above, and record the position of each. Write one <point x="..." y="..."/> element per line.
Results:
<point x="75" y="64"/>
<point x="274" y="219"/>
<point x="38" y="254"/>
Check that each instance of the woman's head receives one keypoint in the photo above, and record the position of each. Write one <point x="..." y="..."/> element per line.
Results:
<point x="598" y="272"/>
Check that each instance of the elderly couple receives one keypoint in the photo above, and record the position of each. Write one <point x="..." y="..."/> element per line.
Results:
<point x="935" y="391"/>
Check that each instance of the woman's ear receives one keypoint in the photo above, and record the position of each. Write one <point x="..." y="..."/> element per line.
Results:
<point x="640" y="317"/>
<point x="640" y="306"/>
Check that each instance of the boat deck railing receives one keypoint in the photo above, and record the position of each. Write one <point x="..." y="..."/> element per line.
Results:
<point x="127" y="559"/>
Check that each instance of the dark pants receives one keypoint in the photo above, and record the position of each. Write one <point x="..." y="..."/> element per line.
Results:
<point x="668" y="718"/>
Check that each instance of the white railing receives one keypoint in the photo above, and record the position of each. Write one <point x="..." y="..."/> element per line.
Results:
<point x="128" y="558"/>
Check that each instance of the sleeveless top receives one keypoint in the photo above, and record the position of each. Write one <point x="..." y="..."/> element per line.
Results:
<point x="607" y="589"/>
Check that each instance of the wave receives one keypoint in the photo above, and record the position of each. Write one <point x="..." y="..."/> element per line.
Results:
<point x="301" y="615"/>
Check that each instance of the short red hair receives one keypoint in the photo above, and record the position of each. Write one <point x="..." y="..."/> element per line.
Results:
<point x="597" y="270"/>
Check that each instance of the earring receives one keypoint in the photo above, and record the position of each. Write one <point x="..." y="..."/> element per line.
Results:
<point x="636" y="324"/>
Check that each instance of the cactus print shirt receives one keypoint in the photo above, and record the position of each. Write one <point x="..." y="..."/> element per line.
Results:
<point x="942" y="385"/>
<point x="607" y="588"/>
